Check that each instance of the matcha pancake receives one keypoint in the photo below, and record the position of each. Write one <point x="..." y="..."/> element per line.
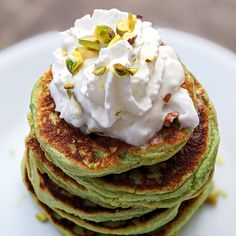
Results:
<point x="142" y="224"/>
<point x="67" y="227"/>
<point x="95" y="155"/>
<point x="160" y="185"/>
<point x="54" y="196"/>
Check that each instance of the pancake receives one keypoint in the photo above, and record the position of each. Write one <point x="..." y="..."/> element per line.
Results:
<point x="95" y="155"/>
<point x="150" y="221"/>
<point x="161" y="185"/>
<point x="52" y="195"/>
<point x="67" y="227"/>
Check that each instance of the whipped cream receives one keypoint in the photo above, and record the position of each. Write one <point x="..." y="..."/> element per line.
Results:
<point x="130" y="108"/>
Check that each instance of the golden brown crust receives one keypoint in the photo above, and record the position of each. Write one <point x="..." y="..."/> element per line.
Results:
<point x="171" y="173"/>
<point x="79" y="148"/>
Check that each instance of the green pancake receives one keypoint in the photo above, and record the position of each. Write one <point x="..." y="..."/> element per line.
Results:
<point x="54" y="196"/>
<point x="161" y="185"/>
<point x="70" y="228"/>
<point x="150" y="221"/>
<point x="94" y="155"/>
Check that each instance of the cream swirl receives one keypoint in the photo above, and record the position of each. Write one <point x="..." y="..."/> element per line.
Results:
<point x="129" y="107"/>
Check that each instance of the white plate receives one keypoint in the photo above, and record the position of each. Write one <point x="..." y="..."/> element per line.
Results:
<point x="22" y="64"/>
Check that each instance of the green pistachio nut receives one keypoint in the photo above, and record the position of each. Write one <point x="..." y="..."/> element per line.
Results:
<point x="122" y="27"/>
<point x="68" y="85"/>
<point x="130" y="37"/>
<point x="114" y="40"/>
<point x="132" y="70"/>
<point x="87" y="53"/>
<point x="90" y="42"/>
<point x="104" y="34"/>
<point x="74" y="65"/>
<point x="41" y="217"/>
<point x="131" y="21"/>
<point x="99" y="71"/>
<point x="120" y="69"/>
<point x="150" y="59"/>
<point x="118" y="113"/>
<point x="69" y="93"/>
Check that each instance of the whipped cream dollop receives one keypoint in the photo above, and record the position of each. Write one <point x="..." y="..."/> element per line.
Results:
<point x="129" y="107"/>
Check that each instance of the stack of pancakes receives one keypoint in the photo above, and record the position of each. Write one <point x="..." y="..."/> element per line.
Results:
<point x="96" y="185"/>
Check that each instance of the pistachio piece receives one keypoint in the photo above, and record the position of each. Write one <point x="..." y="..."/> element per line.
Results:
<point x="76" y="55"/>
<point x="118" y="113"/>
<point x="90" y="42"/>
<point x="122" y="27"/>
<point x="68" y="85"/>
<point x="69" y="93"/>
<point x="41" y="217"/>
<point x="99" y="71"/>
<point x="104" y="34"/>
<point x="151" y="59"/>
<point x="87" y="53"/>
<point x="74" y="64"/>
<point x="130" y="37"/>
<point x="132" y="70"/>
<point x="131" y="21"/>
<point x="120" y="69"/>
<point x="114" y="40"/>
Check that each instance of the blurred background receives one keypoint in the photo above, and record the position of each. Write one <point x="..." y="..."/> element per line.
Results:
<point x="212" y="19"/>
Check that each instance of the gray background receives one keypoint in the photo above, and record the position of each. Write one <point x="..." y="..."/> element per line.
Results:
<point x="213" y="19"/>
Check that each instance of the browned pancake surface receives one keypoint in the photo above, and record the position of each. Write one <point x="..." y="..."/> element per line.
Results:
<point x="81" y="149"/>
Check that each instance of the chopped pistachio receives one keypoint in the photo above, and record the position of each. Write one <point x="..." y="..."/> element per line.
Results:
<point x="41" y="217"/>
<point x="68" y="85"/>
<point x="131" y="21"/>
<point x="118" y="113"/>
<point x="104" y="34"/>
<point x="87" y="53"/>
<point x="90" y="42"/>
<point x="214" y="195"/>
<point x="122" y="27"/>
<point x="69" y="93"/>
<point x="219" y="160"/>
<point x="114" y="40"/>
<point x="151" y="59"/>
<point x="120" y="69"/>
<point x="99" y="71"/>
<point x="130" y="37"/>
<point x="77" y="56"/>
<point x="73" y="65"/>
<point x="132" y="70"/>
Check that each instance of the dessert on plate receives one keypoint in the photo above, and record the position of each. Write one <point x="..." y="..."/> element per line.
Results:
<point x="123" y="137"/>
